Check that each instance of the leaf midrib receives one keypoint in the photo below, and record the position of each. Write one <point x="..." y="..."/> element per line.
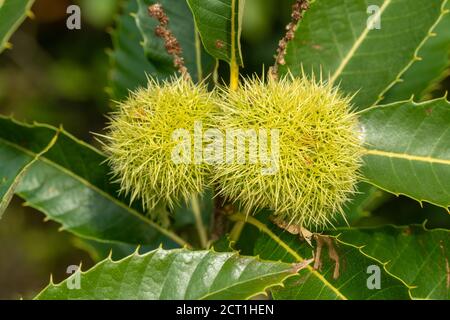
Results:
<point x="97" y="190"/>
<point x="282" y="244"/>
<point x="405" y="156"/>
<point x="288" y="274"/>
<point x="358" y="43"/>
<point x="14" y="27"/>
<point x="108" y="260"/>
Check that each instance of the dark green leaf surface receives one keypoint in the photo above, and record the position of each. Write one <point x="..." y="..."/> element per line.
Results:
<point x="334" y="39"/>
<point x="129" y="64"/>
<point x="183" y="215"/>
<point x="418" y="256"/>
<point x="174" y="275"/>
<point x="181" y="23"/>
<point x="312" y="284"/>
<point x="15" y="165"/>
<point x="70" y="184"/>
<point x="424" y="75"/>
<point x="360" y="205"/>
<point x="12" y="14"/>
<point x="408" y="149"/>
<point x="214" y="22"/>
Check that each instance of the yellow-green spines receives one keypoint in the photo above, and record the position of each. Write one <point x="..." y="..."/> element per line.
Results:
<point x="319" y="149"/>
<point x="140" y="142"/>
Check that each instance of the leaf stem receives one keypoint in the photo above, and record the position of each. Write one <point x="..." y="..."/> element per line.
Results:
<point x="234" y="74"/>
<point x="199" y="221"/>
<point x="215" y="74"/>
<point x="236" y="231"/>
<point x="198" y="55"/>
<point x="234" y="67"/>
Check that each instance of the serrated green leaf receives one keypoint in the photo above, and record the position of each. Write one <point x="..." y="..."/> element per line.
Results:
<point x="418" y="256"/>
<point x="408" y="149"/>
<point x="335" y="39"/>
<point x="181" y="23"/>
<point x="129" y="64"/>
<point x="70" y="184"/>
<point x="100" y="250"/>
<point x="174" y="275"/>
<point x="224" y="244"/>
<point x="424" y="75"/>
<point x="12" y="14"/>
<point x="312" y="284"/>
<point x="214" y="21"/>
<point x="14" y="168"/>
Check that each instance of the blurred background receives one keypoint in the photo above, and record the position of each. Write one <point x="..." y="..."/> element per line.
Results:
<point x="58" y="76"/>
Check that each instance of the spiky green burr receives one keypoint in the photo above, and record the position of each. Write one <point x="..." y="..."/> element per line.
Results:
<point x="140" y="142"/>
<point x="319" y="149"/>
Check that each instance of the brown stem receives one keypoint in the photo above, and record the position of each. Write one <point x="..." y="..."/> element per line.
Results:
<point x="298" y="9"/>
<point x="171" y="43"/>
<point x="222" y="209"/>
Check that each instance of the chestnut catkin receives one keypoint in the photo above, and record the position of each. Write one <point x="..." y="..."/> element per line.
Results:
<point x="319" y="149"/>
<point x="140" y="142"/>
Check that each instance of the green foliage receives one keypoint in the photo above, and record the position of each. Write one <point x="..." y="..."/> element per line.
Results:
<point x="70" y="183"/>
<point x="12" y="13"/>
<point x="406" y="152"/>
<point x="16" y="165"/>
<point x="334" y="39"/>
<point x="175" y="274"/>
<point x="426" y="74"/>
<point x="414" y="254"/>
<point x="322" y="284"/>
<point x="181" y="23"/>
<point x="408" y="149"/>
<point x="361" y="204"/>
<point x="214" y="22"/>
<point x="129" y="65"/>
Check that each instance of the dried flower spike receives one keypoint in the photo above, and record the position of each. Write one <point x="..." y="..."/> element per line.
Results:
<point x="298" y="9"/>
<point x="171" y="43"/>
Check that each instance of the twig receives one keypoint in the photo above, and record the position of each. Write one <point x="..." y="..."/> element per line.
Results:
<point x="219" y="220"/>
<point x="198" y="55"/>
<point x="234" y="67"/>
<point x="298" y="9"/>
<point x="199" y="221"/>
<point x="171" y="43"/>
<point x="236" y="231"/>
